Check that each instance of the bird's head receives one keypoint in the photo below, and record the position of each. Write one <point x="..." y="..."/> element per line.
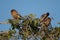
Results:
<point x="13" y="11"/>
<point x="45" y="15"/>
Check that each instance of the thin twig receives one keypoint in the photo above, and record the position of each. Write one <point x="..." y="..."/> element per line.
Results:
<point x="4" y="23"/>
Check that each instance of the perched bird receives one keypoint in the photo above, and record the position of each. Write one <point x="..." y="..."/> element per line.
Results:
<point x="43" y="17"/>
<point x="15" y="14"/>
<point x="45" y="20"/>
<point x="17" y="17"/>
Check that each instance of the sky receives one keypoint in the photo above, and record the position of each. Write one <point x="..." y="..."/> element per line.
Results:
<point x="25" y="7"/>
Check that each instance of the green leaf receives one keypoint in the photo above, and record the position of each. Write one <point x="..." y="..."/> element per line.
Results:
<point x="32" y="16"/>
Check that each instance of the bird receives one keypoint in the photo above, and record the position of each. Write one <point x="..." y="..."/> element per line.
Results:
<point x="45" y="20"/>
<point x="43" y="17"/>
<point x="15" y="14"/>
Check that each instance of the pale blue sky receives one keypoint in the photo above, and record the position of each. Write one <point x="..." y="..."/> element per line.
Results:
<point x="25" y="7"/>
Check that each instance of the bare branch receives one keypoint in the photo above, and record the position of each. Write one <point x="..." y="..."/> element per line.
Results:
<point x="4" y="23"/>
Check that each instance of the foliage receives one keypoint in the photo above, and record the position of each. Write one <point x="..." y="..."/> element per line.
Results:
<point x="28" y="28"/>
